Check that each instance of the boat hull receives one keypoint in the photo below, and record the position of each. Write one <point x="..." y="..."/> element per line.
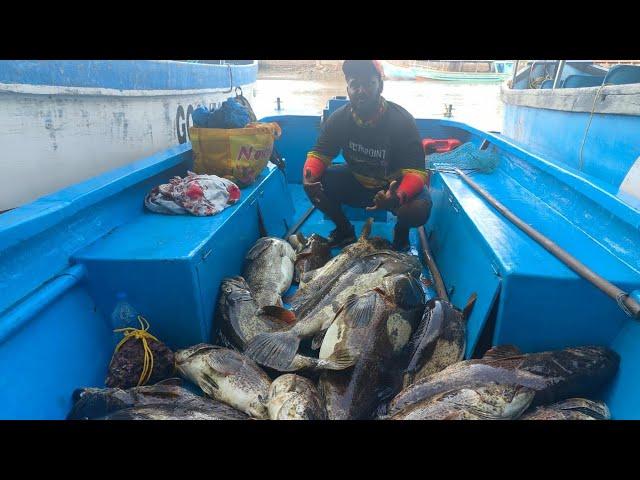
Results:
<point x="462" y="77"/>
<point x="77" y="132"/>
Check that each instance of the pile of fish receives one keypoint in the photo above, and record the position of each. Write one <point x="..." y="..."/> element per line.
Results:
<point x="358" y="342"/>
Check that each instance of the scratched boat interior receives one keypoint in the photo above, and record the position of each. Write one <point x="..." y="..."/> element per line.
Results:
<point x="67" y="259"/>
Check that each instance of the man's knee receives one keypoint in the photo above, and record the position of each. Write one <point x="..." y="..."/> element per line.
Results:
<point x="415" y="213"/>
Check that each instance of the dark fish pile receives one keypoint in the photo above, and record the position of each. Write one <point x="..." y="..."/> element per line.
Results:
<point x="548" y="377"/>
<point x="363" y="344"/>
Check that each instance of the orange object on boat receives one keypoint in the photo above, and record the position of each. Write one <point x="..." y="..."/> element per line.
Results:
<point x="438" y="145"/>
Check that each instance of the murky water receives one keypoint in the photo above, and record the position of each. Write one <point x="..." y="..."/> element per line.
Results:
<point x="479" y="105"/>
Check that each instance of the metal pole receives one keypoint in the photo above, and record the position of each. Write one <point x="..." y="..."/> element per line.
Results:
<point x="629" y="305"/>
<point x="431" y="264"/>
<point x="300" y="222"/>
<point x="559" y="69"/>
<point x="515" y="73"/>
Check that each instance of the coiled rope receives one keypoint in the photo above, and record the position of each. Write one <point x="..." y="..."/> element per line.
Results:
<point x="141" y="334"/>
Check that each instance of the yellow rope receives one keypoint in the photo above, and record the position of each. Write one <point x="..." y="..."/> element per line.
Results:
<point x="141" y="334"/>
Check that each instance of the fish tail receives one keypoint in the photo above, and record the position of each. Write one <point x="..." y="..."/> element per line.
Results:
<point x="338" y="360"/>
<point x="366" y="229"/>
<point x="275" y="349"/>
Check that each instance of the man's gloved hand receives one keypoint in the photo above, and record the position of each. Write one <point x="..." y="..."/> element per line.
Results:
<point x="386" y="200"/>
<point x="313" y="187"/>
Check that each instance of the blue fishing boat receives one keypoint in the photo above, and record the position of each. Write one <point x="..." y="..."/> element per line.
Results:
<point x="77" y="119"/>
<point x="70" y="260"/>
<point x="497" y="71"/>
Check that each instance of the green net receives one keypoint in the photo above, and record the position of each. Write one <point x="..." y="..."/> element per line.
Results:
<point x="466" y="157"/>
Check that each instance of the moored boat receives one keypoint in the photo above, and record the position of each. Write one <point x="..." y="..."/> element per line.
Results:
<point x="497" y="72"/>
<point x="76" y="119"/>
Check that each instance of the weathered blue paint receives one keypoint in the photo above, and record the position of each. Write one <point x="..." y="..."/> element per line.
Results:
<point x="610" y="148"/>
<point x="126" y="74"/>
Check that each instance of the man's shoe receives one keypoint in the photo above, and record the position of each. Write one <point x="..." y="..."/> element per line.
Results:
<point x="339" y="238"/>
<point x="401" y="239"/>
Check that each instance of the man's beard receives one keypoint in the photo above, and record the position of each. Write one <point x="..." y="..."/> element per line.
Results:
<point x="367" y="109"/>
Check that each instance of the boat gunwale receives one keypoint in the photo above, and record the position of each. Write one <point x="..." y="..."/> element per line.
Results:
<point x="590" y="189"/>
<point x="36" y="217"/>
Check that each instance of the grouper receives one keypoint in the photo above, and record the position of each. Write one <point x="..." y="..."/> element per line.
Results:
<point x="240" y="320"/>
<point x="553" y="375"/>
<point x="269" y="270"/>
<point x="483" y="402"/>
<point x="312" y="253"/>
<point x="374" y="328"/>
<point x="277" y="349"/>
<point x="319" y="281"/>
<point x="227" y="376"/>
<point x="570" y="409"/>
<point x="238" y="316"/>
<point x="176" y="411"/>
<point x="91" y="403"/>
<point x="440" y="339"/>
<point x="292" y="397"/>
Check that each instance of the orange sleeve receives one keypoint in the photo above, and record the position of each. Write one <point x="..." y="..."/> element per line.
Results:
<point x="410" y="186"/>
<point x="315" y="165"/>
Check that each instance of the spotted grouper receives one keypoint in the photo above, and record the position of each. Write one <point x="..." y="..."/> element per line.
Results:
<point x="552" y="375"/>
<point x="269" y="270"/>
<point x="374" y="328"/>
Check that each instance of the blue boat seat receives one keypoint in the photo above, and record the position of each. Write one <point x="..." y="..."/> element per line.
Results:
<point x="546" y="84"/>
<point x="182" y="259"/>
<point x="623" y="74"/>
<point x="478" y="247"/>
<point x="577" y="81"/>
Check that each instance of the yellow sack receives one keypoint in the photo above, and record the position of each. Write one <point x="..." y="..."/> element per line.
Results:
<point x="239" y="154"/>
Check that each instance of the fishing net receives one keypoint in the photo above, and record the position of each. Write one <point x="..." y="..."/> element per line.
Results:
<point x="466" y="157"/>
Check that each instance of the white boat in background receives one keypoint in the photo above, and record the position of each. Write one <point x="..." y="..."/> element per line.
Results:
<point x="62" y="121"/>
<point x="395" y="72"/>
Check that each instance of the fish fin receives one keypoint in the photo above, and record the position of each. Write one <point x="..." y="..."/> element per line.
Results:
<point x="321" y="390"/>
<point x="468" y="308"/>
<point x="208" y="385"/>
<point x="226" y="342"/>
<point x="281" y="314"/>
<point x="595" y="409"/>
<point x="366" y="229"/>
<point x="370" y="268"/>
<point x="408" y="378"/>
<point x="275" y="349"/>
<point x="316" y="343"/>
<point x="381" y="411"/>
<point x="306" y="277"/>
<point x="174" y="381"/>
<point x="430" y="327"/>
<point x="340" y="360"/>
<point x="502" y="351"/>
<point x="201" y="347"/>
<point x="385" y="394"/>
<point x="358" y="309"/>
<point x="227" y="363"/>
<point x="260" y="246"/>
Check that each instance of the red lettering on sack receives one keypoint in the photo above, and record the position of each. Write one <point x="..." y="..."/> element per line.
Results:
<point x="245" y="152"/>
